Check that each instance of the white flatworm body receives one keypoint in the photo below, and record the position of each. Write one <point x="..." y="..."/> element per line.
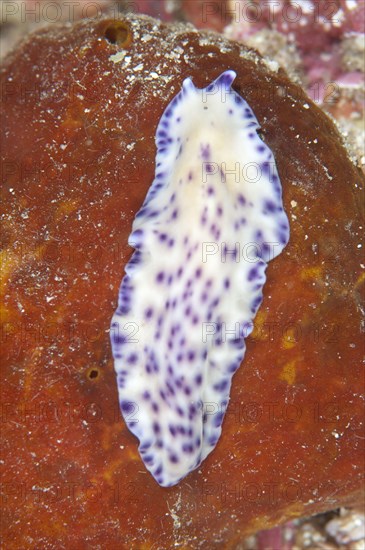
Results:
<point x="212" y="219"/>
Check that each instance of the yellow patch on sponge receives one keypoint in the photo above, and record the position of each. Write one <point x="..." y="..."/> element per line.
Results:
<point x="9" y="261"/>
<point x="289" y="339"/>
<point x="360" y="280"/>
<point x="258" y="333"/>
<point x="314" y="272"/>
<point x="65" y="208"/>
<point x="288" y="372"/>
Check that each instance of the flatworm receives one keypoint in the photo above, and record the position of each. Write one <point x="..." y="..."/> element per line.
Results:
<point x="212" y="219"/>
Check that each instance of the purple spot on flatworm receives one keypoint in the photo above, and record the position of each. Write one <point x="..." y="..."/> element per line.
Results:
<point x="132" y="359"/>
<point x="252" y="274"/>
<point x="205" y="151"/>
<point x="270" y="206"/>
<point x="127" y="407"/>
<point x="218" y="419"/>
<point x="160" y="277"/>
<point x="119" y="339"/>
<point x="148" y="313"/>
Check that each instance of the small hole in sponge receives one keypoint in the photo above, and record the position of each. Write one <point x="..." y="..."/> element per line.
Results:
<point x="93" y="373"/>
<point x="117" y="32"/>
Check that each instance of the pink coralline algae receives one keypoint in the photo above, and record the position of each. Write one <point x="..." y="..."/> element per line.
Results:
<point x="317" y="29"/>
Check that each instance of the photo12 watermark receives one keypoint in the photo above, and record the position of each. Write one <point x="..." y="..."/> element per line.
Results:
<point x="270" y="11"/>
